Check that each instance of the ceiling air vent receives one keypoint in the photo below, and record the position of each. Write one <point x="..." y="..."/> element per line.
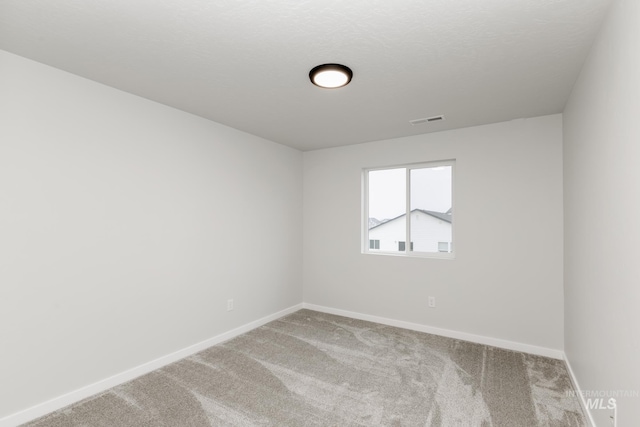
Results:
<point x="426" y="120"/>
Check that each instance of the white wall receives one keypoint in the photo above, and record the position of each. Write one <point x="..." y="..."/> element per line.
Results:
<point x="125" y="226"/>
<point x="602" y="215"/>
<point x="506" y="279"/>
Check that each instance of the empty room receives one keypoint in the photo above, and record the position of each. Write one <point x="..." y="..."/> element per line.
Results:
<point x="319" y="213"/>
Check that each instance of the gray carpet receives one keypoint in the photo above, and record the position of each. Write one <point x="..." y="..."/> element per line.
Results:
<point x="315" y="369"/>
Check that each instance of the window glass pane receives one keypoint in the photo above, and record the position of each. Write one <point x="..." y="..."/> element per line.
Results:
<point x="443" y="246"/>
<point x="431" y="213"/>
<point x="401" y="246"/>
<point x="387" y="203"/>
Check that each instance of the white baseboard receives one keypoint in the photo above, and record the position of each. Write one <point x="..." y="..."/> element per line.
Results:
<point x="577" y="388"/>
<point x="103" y="385"/>
<point x="480" y="339"/>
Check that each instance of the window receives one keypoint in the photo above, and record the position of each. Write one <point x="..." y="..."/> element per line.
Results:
<point x="401" y="246"/>
<point x="444" y="246"/>
<point x="423" y="193"/>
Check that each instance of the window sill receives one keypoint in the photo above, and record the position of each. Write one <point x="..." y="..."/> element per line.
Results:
<point x="424" y="255"/>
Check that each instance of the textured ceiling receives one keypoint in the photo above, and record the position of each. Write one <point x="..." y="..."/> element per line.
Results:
<point x="245" y="63"/>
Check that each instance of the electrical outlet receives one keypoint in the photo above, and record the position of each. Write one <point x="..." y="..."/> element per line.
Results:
<point x="229" y="304"/>
<point x="432" y="302"/>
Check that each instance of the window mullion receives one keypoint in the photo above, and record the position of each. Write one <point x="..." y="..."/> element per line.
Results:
<point x="407" y="240"/>
<point x="365" y="207"/>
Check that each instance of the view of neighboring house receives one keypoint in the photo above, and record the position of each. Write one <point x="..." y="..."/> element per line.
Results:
<point x="430" y="231"/>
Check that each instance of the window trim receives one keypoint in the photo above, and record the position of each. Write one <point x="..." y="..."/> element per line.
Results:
<point x="365" y="209"/>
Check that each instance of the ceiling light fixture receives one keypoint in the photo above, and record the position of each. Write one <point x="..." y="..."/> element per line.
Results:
<point x="330" y="76"/>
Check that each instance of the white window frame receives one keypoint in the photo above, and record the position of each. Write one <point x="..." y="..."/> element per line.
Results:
<point x="407" y="252"/>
